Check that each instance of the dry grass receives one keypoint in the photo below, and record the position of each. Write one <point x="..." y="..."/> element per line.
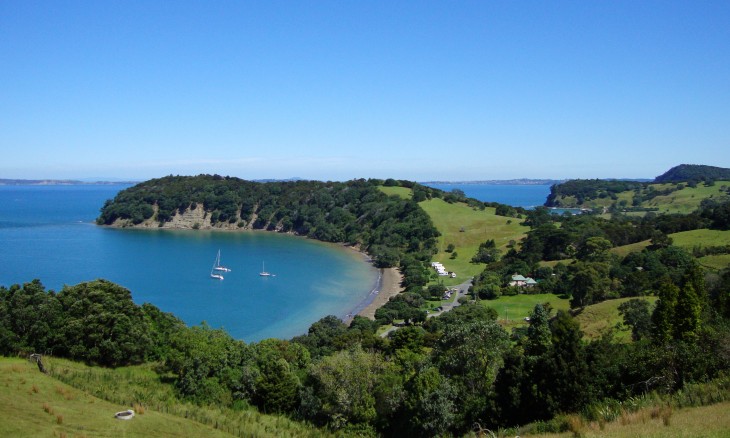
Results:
<point x="657" y="422"/>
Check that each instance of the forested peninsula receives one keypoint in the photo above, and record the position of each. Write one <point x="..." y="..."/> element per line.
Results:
<point x="521" y="354"/>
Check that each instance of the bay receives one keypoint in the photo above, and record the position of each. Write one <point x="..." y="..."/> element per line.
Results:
<point x="48" y="232"/>
<point x="516" y="195"/>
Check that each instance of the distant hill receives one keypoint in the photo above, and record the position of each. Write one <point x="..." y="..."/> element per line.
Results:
<point x="520" y="182"/>
<point x="56" y="182"/>
<point x="693" y="172"/>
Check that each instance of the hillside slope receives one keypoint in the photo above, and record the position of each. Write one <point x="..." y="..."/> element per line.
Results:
<point x="34" y="404"/>
<point x="693" y="172"/>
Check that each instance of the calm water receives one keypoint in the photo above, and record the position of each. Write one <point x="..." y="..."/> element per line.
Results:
<point x="47" y="232"/>
<point x="527" y="196"/>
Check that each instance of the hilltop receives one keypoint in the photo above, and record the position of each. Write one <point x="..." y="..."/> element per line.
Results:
<point x="682" y="189"/>
<point x="693" y="172"/>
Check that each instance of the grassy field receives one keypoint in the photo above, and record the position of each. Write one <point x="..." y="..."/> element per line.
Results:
<point x="686" y="200"/>
<point x="466" y="228"/>
<point x="36" y="405"/>
<point x="594" y="320"/>
<point x="717" y="262"/>
<point x="703" y="237"/>
<point x="597" y="319"/>
<point x="625" y="250"/>
<point x="513" y="310"/>
<point x="403" y="192"/>
<point x="87" y="397"/>
<point x="679" y="201"/>
<point x="710" y="421"/>
<point x="685" y="239"/>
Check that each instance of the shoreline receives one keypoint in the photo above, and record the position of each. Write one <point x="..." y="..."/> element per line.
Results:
<point x="387" y="286"/>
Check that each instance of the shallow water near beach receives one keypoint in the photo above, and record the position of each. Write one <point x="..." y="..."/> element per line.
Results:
<point x="47" y="232"/>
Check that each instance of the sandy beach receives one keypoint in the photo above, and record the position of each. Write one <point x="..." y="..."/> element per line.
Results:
<point x="389" y="286"/>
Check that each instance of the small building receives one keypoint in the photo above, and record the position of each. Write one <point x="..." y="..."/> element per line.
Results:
<point x="521" y="281"/>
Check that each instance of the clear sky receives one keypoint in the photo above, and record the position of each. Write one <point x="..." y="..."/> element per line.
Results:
<point x="334" y="90"/>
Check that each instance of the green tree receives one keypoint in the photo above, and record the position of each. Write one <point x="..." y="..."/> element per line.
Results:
<point x="663" y="316"/>
<point x="539" y="337"/>
<point x="687" y="314"/>
<point x="594" y="249"/>
<point x="470" y="355"/>
<point x="102" y="324"/>
<point x="589" y="283"/>
<point x="660" y="240"/>
<point x="636" y="315"/>
<point x="344" y="386"/>
<point x="430" y="406"/>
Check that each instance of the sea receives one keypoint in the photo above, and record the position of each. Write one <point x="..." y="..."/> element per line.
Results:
<point x="48" y="232"/>
<point x="517" y="195"/>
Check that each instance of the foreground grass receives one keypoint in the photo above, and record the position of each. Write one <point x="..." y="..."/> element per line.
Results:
<point x="653" y="422"/>
<point x="140" y="385"/>
<point x="466" y="228"/>
<point x="598" y="319"/>
<point x="34" y="404"/>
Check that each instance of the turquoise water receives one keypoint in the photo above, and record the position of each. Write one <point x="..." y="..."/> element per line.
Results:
<point x="516" y="195"/>
<point x="47" y="232"/>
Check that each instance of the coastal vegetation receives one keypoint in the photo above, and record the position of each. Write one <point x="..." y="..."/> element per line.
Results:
<point x="573" y="323"/>
<point x="681" y="190"/>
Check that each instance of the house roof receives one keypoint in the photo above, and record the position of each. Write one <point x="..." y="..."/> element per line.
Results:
<point x="518" y="277"/>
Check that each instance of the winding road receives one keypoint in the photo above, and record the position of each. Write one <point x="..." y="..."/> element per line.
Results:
<point x="462" y="290"/>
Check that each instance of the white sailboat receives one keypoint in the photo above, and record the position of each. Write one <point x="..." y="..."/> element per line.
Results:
<point x="263" y="272"/>
<point x="217" y="266"/>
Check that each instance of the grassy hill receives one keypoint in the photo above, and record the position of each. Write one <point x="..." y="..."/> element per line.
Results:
<point x="512" y="310"/>
<point x="35" y="404"/>
<point x="662" y="198"/>
<point x="656" y="422"/>
<point x="597" y="319"/>
<point x="689" y="240"/>
<point x="403" y="192"/>
<point x="465" y="228"/>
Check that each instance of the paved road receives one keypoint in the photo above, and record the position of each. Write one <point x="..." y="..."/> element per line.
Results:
<point x="462" y="290"/>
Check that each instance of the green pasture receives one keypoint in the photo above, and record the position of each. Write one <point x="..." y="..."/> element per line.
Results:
<point x="514" y="309"/>
<point x="625" y="250"/>
<point x="701" y="238"/>
<point x="681" y="201"/>
<point x="716" y="262"/>
<point x="598" y="319"/>
<point x="87" y="397"/>
<point x="34" y="404"/>
<point x="403" y="192"/>
<point x="465" y="228"/>
<point x="552" y="263"/>
<point x="710" y="421"/>
<point x="685" y="239"/>
<point x="686" y="200"/>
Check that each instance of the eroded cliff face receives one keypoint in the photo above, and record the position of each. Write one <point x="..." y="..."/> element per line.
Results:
<point x="190" y="219"/>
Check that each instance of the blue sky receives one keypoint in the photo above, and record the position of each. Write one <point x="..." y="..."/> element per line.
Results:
<point x="335" y="90"/>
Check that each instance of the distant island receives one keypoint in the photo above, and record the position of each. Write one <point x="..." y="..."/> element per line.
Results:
<point x="57" y="182"/>
<point x="520" y="181"/>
